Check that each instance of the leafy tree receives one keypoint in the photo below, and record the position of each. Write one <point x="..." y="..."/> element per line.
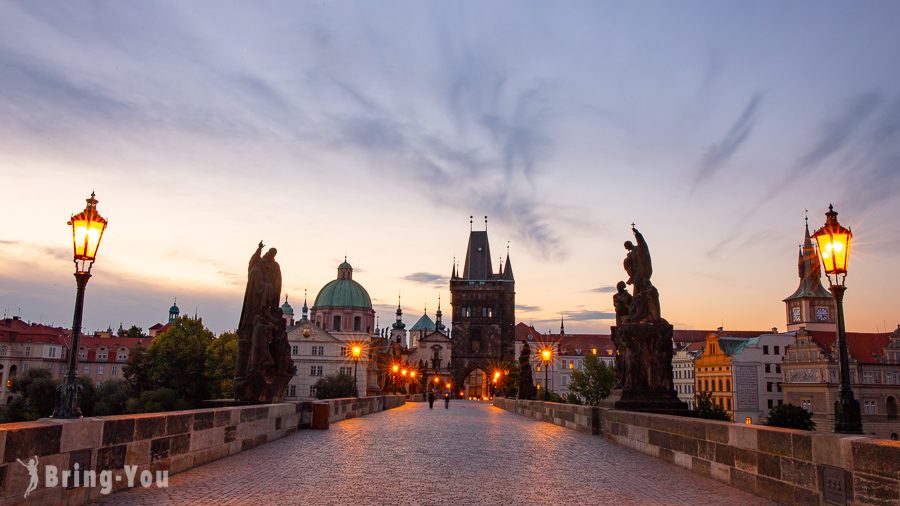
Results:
<point x="137" y="371"/>
<point x="221" y="355"/>
<point x="335" y="386"/>
<point x="594" y="382"/>
<point x="791" y="416"/>
<point x="36" y="393"/>
<point x="135" y="331"/>
<point x="112" y="397"/>
<point x="177" y="360"/>
<point x="153" y="401"/>
<point x="706" y="408"/>
<point x="87" y="396"/>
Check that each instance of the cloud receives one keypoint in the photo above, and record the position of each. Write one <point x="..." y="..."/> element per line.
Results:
<point x="604" y="289"/>
<point x="722" y="151"/>
<point x="838" y="132"/>
<point x="581" y="316"/>
<point x="426" y="278"/>
<point x="525" y="308"/>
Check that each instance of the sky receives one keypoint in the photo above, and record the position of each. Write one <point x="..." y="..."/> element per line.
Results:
<point x="375" y="129"/>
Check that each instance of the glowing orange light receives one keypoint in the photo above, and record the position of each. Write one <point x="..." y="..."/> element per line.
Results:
<point x="357" y="351"/>
<point x="395" y="368"/>
<point x="87" y="230"/>
<point x="403" y="372"/>
<point x="412" y="374"/>
<point x="833" y="242"/>
<point x="437" y="380"/>
<point x="748" y="420"/>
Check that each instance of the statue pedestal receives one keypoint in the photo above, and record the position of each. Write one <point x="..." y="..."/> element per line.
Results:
<point x="645" y="369"/>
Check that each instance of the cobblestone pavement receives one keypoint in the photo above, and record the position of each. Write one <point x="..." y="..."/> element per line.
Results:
<point x="473" y="453"/>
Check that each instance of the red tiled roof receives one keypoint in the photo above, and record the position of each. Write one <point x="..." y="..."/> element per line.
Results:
<point x="693" y="336"/>
<point x="582" y="344"/>
<point x="864" y="347"/>
<point x="16" y="330"/>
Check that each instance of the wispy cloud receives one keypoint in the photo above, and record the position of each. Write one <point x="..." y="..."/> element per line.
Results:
<point x="603" y="289"/>
<point x="525" y="308"/>
<point x="719" y="153"/>
<point x="426" y="278"/>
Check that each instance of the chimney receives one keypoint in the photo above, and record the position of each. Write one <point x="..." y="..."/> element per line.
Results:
<point x="720" y="329"/>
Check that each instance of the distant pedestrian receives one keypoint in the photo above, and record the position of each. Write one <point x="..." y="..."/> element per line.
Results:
<point x="447" y="400"/>
<point x="431" y="399"/>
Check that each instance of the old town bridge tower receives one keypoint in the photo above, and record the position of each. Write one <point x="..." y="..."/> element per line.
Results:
<point x="484" y="316"/>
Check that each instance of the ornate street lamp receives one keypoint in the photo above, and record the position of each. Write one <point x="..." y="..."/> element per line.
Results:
<point x="546" y="356"/>
<point x="833" y="243"/>
<point x="87" y="230"/>
<point x="356" y="351"/>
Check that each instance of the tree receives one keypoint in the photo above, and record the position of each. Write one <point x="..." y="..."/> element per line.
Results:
<point x="177" y="360"/>
<point x="112" y="397"/>
<point x="335" y="386"/>
<point x="87" y="396"/>
<point x="594" y="382"/>
<point x="36" y="394"/>
<point x="221" y="355"/>
<point x="790" y="416"/>
<point x="137" y="371"/>
<point x="706" y="408"/>
<point x="135" y="331"/>
<point x="157" y="400"/>
<point x="526" y="382"/>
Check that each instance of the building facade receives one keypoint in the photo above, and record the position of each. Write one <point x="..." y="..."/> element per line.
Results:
<point x="757" y="376"/>
<point x="683" y="371"/>
<point x="713" y="369"/>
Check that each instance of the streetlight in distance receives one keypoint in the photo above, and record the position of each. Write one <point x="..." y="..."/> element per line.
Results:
<point x="356" y="350"/>
<point x="833" y="246"/>
<point x="546" y="356"/>
<point x="87" y="230"/>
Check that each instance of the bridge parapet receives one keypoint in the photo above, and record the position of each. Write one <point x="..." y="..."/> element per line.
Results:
<point x="784" y="465"/>
<point x="171" y="441"/>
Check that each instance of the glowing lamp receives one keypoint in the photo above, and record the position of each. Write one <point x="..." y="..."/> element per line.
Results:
<point x="748" y="420"/>
<point x="545" y="354"/>
<point x="395" y="368"/>
<point x="437" y="380"/>
<point x="833" y="243"/>
<point x="412" y="374"/>
<point x="403" y="372"/>
<point x="87" y="230"/>
<point x="357" y="351"/>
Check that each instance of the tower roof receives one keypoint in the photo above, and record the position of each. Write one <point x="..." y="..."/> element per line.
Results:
<point x="286" y="308"/>
<point x="478" y="257"/>
<point x="424" y="323"/>
<point x="343" y="292"/>
<point x="810" y="272"/>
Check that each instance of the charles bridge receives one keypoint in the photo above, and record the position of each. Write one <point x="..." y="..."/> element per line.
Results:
<point x="384" y="450"/>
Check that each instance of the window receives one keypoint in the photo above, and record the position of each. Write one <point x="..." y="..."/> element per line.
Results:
<point x="294" y="349"/>
<point x="564" y="363"/>
<point x="768" y="367"/>
<point x="113" y="370"/>
<point x="99" y="369"/>
<point x="292" y="390"/>
<point x="870" y="407"/>
<point x="778" y="368"/>
<point x="25" y="366"/>
<point x="728" y="401"/>
<point x="768" y="386"/>
<point x="868" y="376"/>
<point x="780" y="402"/>
<point x="776" y="350"/>
<point x="770" y="403"/>
<point x="778" y="386"/>
<point x="728" y="386"/>
<point x="3" y="350"/>
<point x="720" y="386"/>
<point x="357" y="323"/>
<point x="765" y="349"/>
<point x="318" y="351"/>
<point x="345" y="369"/>
<point x="122" y="356"/>
<point x="87" y="370"/>
<point x="571" y="364"/>
<point x="805" y="404"/>
<point x="565" y="381"/>
<point x="28" y="351"/>
<point x="51" y="353"/>
<point x="336" y="323"/>
<point x="82" y="353"/>
<point x="101" y="354"/>
<point x="315" y="370"/>
<point x="312" y="390"/>
<point x="490" y="312"/>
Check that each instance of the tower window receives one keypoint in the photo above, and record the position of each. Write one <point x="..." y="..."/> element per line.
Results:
<point x="336" y="323"/>
<point x="357" y="323"/>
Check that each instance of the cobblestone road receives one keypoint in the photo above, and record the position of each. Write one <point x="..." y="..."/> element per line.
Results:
<point x="472" y="454"/>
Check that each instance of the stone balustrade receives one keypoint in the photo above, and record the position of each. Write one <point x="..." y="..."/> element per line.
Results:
<point x="784" y="465"/>
<point x="170" y="441"/>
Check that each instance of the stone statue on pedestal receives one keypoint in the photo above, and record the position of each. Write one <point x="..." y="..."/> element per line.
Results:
<point x="643" y="339"/>
<point x="264" y="366"/>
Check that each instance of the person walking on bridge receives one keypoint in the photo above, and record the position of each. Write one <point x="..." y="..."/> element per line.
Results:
<point x="431" y="399"/>
<point x="447" y="399"/>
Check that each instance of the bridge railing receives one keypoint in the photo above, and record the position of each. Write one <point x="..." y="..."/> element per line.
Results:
<point x="784" y="465"/>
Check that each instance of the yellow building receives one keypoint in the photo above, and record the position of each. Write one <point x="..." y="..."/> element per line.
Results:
<point x="713" y="369"/>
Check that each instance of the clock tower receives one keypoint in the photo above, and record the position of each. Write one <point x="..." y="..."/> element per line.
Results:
<point x="811" y="305"/>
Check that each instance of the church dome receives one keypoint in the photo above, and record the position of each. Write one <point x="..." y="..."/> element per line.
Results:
<point x="286" y="308"/>
<point x="343" y="291"/>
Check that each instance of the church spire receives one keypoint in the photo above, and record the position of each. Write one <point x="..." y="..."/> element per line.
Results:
<point x="562" y="324"/>
<point x="399" y="323"/>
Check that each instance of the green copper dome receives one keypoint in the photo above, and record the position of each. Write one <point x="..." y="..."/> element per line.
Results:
<point x="343" y="292"/>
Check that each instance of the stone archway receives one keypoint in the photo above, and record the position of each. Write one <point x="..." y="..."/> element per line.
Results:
<point x="476" y="384"/>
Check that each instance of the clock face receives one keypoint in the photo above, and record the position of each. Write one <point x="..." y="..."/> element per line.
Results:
<point x="822" y="314"/>
<point x="795" y="314"/>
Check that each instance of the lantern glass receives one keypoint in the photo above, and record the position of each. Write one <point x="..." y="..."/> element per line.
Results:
<point x="87" y="231"/>
<point x="833" y="242"/>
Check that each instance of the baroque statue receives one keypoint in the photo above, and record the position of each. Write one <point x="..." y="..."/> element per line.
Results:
<point x="264" y="366"/>
<point x="643" y="338"/>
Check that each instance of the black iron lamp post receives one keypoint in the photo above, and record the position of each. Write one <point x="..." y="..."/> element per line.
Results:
<point x="833" y="246"/>
<point x="357" y="351"/>
<point x="87" y="230"/>
<point x="546" y="356"/>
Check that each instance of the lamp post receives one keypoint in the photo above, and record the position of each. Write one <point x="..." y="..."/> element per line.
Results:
<point x="357" y="351"/>
<point x="394" y="370"/>
<point x="546" y="355"/>
<point x="87" y="230"/>
<point x="833" y="246"/>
